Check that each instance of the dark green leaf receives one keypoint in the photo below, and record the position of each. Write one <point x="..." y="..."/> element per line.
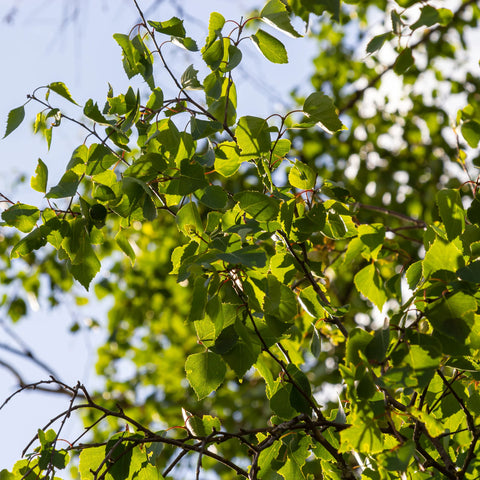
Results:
<point x="173" y="27"/>
<point x="21" y="216"/>
<point x="320" y="109"/>
<point x="15" y="118"/>
<point x="261" y="207"/>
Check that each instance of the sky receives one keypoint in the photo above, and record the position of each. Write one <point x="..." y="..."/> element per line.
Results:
<point x="44" y="41"/>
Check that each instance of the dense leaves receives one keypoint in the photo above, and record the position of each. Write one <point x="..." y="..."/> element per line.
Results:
<point x="305" y="283"/>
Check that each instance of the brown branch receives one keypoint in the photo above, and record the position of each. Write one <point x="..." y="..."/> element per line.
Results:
<point x="313" y="282"/>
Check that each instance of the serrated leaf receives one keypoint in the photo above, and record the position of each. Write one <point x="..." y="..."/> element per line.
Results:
<point x="15" y="118"/>
<point x="61" y="89"/>
<point x="272" y="48"/>
<point x="205" y="372"/>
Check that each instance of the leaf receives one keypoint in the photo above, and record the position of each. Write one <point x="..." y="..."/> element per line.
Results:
<point x="39" y="181"/>
<point x="205" y="372"/>
<point x="155" y="101"/>
<point x="189" y="79"/>
<point x="428" y="17"/>
<point x="363" y="436"/>
<point x="86" y="264"/>
<point x="213" y="197"/>
<point x="90" y="461"/>
<point x="67" y="187"/>
<point x="414" y="274"/>
<point x="376" y="43"/>
<point x="302" y="176"/>
<point x="92" y="111"/>
<point x="204" y="128"/>
<point x="404" y="61"/>
<point x="253" y="137"/>
<point x="15" y="118"/>
<point x="36" y="239"/>
<point x="320" y="109"/>
<point x="275" y="14"/>
<point x="173" y="27"/>
<point x="272" y="49"/>
<point x="471" y="132"/>
<point x="470" y="273"/>
<point x="227" y="159"/>
<point x="61" y="89"/>
<point x="261" y="207"/>
<point x="451" y="211"/>
<point x="442" y="256"/>
<point x="186" y="43"/>
<point x="188" y="219"/>
<point x="21" y="216"/>
<point x="370" y="284"/>
<point x="122" y="239"/>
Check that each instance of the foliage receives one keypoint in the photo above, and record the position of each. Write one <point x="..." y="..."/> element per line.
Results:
<point x="270" y="261"/>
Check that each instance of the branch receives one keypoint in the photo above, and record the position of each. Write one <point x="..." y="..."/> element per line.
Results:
<point x="316" y="287"/>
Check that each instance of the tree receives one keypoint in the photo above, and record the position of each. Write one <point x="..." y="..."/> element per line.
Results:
<point x="269" y="260"/>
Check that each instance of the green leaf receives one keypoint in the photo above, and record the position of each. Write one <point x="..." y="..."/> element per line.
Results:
<point x="204" y="128"/>
<point x="186" y="43"/>
<point x="357" y="341"/>
<point x="215" y="25"/>
<point x="155" y="101"/>
<point x="404" y="61"/>
<point x="21" y="216"/>
<point x="376" y="43"/>
<point x="205" y="372"/>
<point x="15" y="118"/>
<point x="189" y="79"/>
<point x="414" y="274"/>
<point x="370" y="284"/>
<point x="320" y="109"/>
<point x="39" y="181"/>
<point x="428" y="17"/>
<point x="36" y="239"/>
<point x="188" y="219"/>
<point x="451" y="211"/>
<point x="86" y="264"/>
<point x="302" y="176"/>
<point x="92" y="111"/>
<point x="227" y="159"/>
<point x="363" y="436"/>
<point x="272" y="48"/>
<point x="122" y="239"/>
<point x="213" y="197"/>
<point x="253" y="137"/>
<point x="471" y="132"/>
<point x="90" y="461"/>
<point x="173" y="27"/>
<point x="67" y="187"/>
<point x="275" y="14"/>
<point x="61" y="89"/>
<point x="442" y="256"/>
<point x="99" y="159"/>
<point x="470" y="273"/>
<point x="261" y="207"/>
<point x="300" y="391"/>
